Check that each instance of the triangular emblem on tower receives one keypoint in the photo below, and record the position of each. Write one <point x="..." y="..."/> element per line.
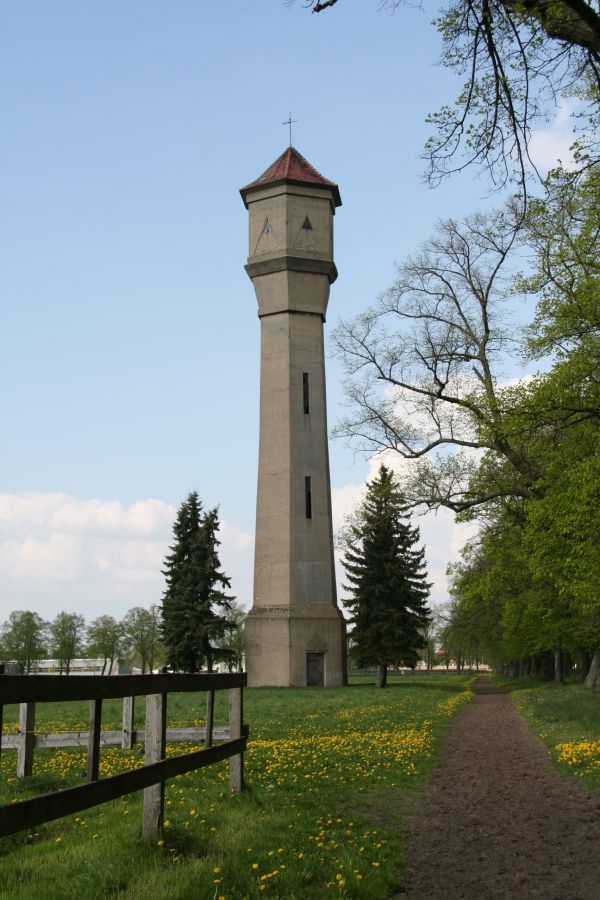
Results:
<point x="306" y="224"/>
<point x="267" y="227"/>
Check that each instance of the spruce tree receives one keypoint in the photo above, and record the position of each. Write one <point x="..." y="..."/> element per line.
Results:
<point x="386" y="576"/>
<point x="195" y="589"/>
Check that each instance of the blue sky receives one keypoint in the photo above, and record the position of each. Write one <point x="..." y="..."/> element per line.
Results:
<point x="130" y="342"/>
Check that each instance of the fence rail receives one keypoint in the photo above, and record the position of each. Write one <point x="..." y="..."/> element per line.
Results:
<point x="29" y="690"/>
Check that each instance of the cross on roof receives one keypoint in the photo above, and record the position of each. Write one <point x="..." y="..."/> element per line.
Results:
<point x="290" y="122"/>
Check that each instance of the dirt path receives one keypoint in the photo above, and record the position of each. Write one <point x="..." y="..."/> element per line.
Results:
<point x="497" y="821"/>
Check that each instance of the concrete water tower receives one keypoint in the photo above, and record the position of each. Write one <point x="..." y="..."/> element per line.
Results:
<point x="295" y="633"/>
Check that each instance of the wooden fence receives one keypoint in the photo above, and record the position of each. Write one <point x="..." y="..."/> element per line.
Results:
<point x="31" y="689"/>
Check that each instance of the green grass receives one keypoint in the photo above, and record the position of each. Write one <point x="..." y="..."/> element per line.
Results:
<point x="567" y="719"/>
<point x="330" y="775"/>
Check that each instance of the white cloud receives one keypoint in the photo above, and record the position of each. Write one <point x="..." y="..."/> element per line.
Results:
<point x="549" y="145"/>
<point x="93" y="556"/>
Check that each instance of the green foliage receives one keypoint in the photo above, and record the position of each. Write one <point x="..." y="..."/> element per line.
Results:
<point x="23" y="639"/>
<point x="105" y="639"/>
<point x="142" y="636"/>
<point x="66" y="638"/>
<point x="531" y="584"/>
<point x="195" y="589"/>
<point x="232" y="645"/>
<point x="386" y="579"/>
<point x="563" y="228"/>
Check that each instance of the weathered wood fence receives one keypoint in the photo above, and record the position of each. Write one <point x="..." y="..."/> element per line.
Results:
<point x="31" y="689"/>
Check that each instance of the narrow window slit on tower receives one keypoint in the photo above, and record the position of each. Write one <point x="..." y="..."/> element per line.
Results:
<point x="267" y="227"/>
<point x="306" y="224"/>
<point x="305" y="392"/>
<point x="307" y="497"/>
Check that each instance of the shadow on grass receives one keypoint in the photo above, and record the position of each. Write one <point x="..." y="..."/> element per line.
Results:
<point x="43" y="784"/>
<point x="423" y="683"/>
<point x="513" y="685"/>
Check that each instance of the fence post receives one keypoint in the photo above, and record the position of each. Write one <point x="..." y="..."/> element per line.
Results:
<point x="128" y="714"/>
<point x="210" y="718"/>
<point x="26" y="738"/>
<point x="93" y="759"/>
<point x="156" y="733"/>
<point x="236" y="718"/>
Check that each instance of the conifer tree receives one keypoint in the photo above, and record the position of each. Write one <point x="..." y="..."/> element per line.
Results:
<point x="195" y="589"/>
<point x="386" y="577"/>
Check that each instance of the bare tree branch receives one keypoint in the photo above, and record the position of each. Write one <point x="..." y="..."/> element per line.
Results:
<point x="421" y="366"/>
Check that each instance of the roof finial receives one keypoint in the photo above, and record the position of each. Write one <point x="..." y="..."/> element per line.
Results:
<point x="290" y="122"/>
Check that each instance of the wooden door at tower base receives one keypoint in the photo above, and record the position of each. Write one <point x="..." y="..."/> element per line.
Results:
<point x="315" y="669"/>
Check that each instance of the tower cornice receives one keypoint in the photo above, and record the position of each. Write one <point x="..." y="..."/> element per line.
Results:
<point x="293" y="264"/>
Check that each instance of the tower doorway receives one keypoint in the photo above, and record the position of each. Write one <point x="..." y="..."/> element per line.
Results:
<point x="315" y="669"/>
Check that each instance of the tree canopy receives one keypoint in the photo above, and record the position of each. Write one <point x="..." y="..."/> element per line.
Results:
<point x="66" y="638"/>
<point x="23" y="639"/>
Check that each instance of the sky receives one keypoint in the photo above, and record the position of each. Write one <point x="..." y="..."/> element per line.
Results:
<point x="129" y="337"/>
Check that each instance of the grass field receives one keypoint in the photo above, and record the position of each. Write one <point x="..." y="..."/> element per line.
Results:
<point x="330" y="775"/>
<point x="567" y="719"/>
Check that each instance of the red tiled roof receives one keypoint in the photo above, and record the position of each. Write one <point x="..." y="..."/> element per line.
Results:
<point x="291" y="166"/>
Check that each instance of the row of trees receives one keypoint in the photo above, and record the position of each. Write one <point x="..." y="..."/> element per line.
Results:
<point x="25" y="638"/>
<point x="528" y="589"/>
<point x="523" y="457"/>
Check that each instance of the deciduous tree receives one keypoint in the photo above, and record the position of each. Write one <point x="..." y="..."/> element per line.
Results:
<point x="66" y="638"/>
<point x="142" y="635"/>
<point x="231" y="648"/>
<point x="423" y="366"/>
<point x="23" y="639"/>
<point x="105" y="639"/>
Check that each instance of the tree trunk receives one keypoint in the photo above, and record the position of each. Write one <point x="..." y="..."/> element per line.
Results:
<point x="558" y="663"/>
<point x="382" y="675"/>
<point x="545" y="669"/>
<point x="583" y="664"/>
<point x="533" y="671"/>
<point x="593" y="676"/>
